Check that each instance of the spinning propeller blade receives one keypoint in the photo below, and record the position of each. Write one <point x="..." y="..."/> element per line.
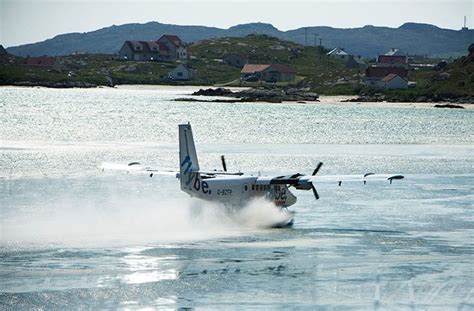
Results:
<point x="224" y="166"/>
<point x="316" y="170"/>
<point x="315" y="192"/>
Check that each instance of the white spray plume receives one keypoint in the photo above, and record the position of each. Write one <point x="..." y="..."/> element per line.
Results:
<point x="138" y="220"/>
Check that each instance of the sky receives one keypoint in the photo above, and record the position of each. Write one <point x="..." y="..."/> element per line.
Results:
<point x="29" y="21"/>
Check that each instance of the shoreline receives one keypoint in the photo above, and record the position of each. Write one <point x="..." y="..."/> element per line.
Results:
<point x="335" y="100"/>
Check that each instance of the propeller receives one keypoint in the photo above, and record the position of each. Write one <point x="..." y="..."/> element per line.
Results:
<point x="316" y="170"/>
<point x="315" y="192"/>
<point x="224" y="166"/>
<point x="395" y="177"/>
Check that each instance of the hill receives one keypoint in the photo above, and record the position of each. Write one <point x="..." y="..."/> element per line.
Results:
<point x="368" y="41"/>
<point x="456" y="79"/>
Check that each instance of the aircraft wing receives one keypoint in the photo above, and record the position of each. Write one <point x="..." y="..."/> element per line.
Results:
<point x="306" y="182"/>
<point x="369" y="177"/>
<point x="136" y="167"/>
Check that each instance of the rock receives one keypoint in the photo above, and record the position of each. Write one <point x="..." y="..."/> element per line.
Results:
<point x="448" y="106"/>
<point x="421" y="99"/>
<point x="213" y="92"/>
<point x="273" y="95"/>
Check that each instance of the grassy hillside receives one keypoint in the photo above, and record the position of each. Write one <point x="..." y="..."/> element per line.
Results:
<point x="456" y="79"/>
<point x="313" y="67"/>
<point x="315" y="70"/>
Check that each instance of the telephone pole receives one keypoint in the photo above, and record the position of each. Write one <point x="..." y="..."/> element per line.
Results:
<point x="320" y="47"/>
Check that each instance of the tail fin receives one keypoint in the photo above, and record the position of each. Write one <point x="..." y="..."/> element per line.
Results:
<point x="188" y="161"/>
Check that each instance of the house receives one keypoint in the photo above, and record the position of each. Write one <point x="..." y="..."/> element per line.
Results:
<point x="393" y="57"/>
<point x="168" y="48"/>
<point x="268" y="73"/>
<point x="3" y="51"/>
<point x="181" y="73"/>
<point x="338" y="53"/>
<point x="236" y="60"/>
<point x="394" y="82"/>
<point x="144" y="51"/>
<point x="380" y="72"/>
<point x="46" y="62"/>
<point x="374" y="75"/>
<point x="356" y="62"/>
<point x="176" y="47"/>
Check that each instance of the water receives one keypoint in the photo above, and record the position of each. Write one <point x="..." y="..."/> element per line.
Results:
<point x="74" y="237"/>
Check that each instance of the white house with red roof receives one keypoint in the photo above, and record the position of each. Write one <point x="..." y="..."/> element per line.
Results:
<point x="393" y="81"/>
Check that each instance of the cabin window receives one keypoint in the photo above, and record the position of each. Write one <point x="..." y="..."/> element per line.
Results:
<point x="246" y="187"/>
<point x="180" y="74"/>
<point x="253" y="187"/>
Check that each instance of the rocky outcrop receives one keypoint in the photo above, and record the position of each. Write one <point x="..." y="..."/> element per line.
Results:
<point x="411" y="99"/>
<point x="58" y="85"/>
<point x="449" y="106"/>
<point x="274" y="95"/>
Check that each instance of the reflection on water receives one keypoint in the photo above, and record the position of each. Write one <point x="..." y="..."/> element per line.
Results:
<point x="147" y="269"/>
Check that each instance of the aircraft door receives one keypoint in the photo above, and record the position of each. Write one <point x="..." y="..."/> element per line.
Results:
<point x="245" y="192"/>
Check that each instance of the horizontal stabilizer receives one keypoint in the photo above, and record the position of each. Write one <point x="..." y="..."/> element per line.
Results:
<point x="136" y="167"/>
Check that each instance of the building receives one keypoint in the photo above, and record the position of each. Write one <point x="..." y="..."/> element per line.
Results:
<point x="380" y="72"/>
<point x="393" y="57"/>
<point x="394" y="82"/>
<point x="3" y="51"/>
<point x="181" y="73"/>
<point x="375" y="75"/>
<point x="268" y="73"/>
<point x="168" y="48"/>
<point x="338" y="53"/>
<point x="144" y="51"/>
<point x="236" y="60"/>
<point x="46" y="62"/>
<point x="176" y="47"/>
<point x="356" y="62"/>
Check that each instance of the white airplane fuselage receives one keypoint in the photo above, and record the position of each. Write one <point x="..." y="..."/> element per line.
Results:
<point x="235" y="190"/>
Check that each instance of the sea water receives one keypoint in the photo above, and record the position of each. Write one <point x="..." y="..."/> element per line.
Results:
<point x="74" y="237"/>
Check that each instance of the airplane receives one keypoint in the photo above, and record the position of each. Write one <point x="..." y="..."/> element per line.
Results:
<point x="236" y="189"/>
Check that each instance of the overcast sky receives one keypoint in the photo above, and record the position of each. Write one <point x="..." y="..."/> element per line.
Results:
<point x="28" y="21"/>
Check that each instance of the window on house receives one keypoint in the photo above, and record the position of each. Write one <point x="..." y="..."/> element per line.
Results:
<point x="253" y="187"/>
<point x="245" y="187"/>
<point x="180" y="74"/>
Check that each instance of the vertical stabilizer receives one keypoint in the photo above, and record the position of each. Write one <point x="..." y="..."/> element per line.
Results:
<point x="188" y="161"/>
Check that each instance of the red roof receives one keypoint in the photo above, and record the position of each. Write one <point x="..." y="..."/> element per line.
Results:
<point x="392" y="59"/>
<point x="174" y="39"/>
<point x="381" y="72"/>
<point x="147" y="47"/>
<point x="283" y="68"/>
<point x="390" y="77"/>
<point x="252" y="68"/>
<point x="40" y="61"/>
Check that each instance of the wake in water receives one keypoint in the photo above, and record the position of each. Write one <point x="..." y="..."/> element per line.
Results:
<point x="137" y="220"/>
